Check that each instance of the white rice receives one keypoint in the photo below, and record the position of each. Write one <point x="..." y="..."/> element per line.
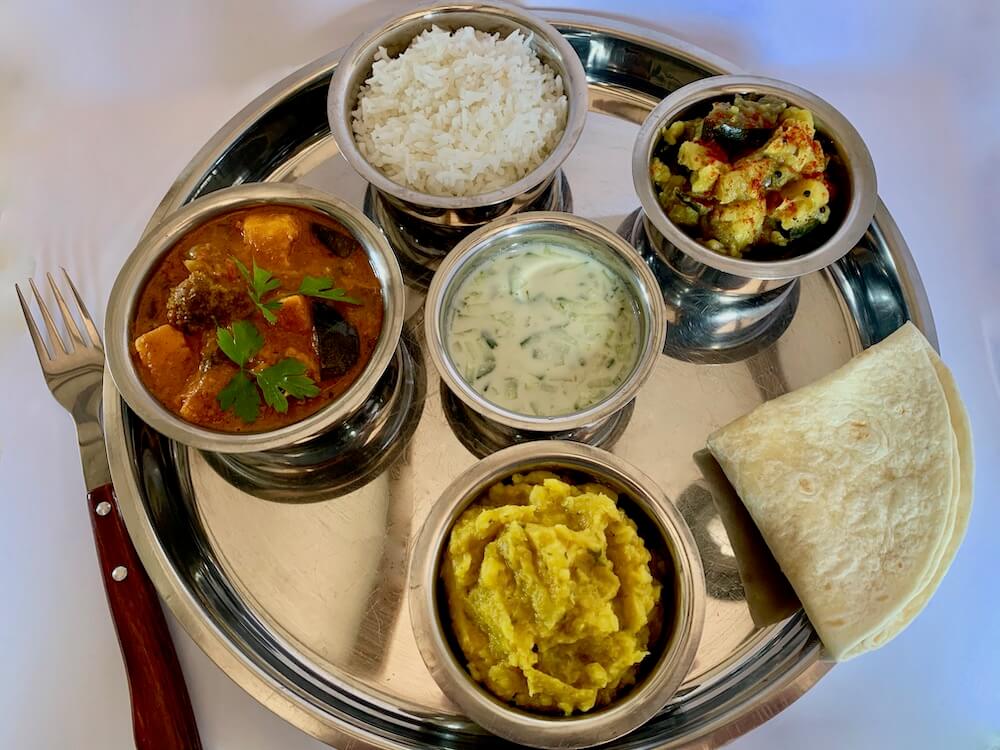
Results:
<point x="461" y="113"/>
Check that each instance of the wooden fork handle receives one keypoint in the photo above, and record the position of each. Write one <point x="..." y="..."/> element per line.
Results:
<point x="162" y="718"/>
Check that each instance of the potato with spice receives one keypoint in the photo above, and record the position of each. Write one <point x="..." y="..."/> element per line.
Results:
<point x="749" y="174"/>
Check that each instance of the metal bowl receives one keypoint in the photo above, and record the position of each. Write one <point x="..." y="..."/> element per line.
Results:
<point x="700" y="265"/>
<point x="664" y="532"/>
<point x="395" y="36"/>
<point x="158" y="241"/>
<point x="604" y="245"/>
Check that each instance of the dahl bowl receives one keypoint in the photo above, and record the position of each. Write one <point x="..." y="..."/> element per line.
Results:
<point x="560" y="228"/>
<point x="446" y="218"/>
<point x="665" y="534"/>
<point x="698" y="265"/>
<point x="159" y="240"/>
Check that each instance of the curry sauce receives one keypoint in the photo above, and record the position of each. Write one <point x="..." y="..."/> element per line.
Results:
<point x="198" y="290"/>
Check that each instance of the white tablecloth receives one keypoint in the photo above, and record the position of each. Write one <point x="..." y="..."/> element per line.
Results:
<point x="101" y="105"/>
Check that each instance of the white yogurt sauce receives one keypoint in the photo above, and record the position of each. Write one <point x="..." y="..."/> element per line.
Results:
<point x="543" y="329"/>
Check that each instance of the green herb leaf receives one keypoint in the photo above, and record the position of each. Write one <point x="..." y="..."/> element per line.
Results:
<point x="259" y="282"/>
<point x="322" y="287"/>
<point x="241" y="396"/>
<point x="241" y="343"/>
<point x="285" y="379"/>
<point x="263" y="281"/>
<point x="267" y="310"/>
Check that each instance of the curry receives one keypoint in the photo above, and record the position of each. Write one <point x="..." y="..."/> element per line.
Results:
<point x="750" y="177"/>
<point x="257" y="319"/>
<point x="551" y="593"/>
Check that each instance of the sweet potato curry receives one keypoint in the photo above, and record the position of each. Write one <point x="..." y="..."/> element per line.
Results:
<point x="257" y="319"/>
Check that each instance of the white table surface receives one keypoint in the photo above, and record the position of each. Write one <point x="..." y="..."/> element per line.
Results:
<point x="102" y="103"/>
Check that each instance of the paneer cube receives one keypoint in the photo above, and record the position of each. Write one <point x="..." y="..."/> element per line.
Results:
<point x="270" y="234"/>
<point x="295" y="314"/>
<point x="200" y="403"/>
<point x="291" y="335"/>
<point x="168" y="360"/>
<point x="659" y="171"/>
<point x="704" y="180"/>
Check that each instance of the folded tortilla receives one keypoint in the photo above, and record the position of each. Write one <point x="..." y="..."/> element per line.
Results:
<point x="861" y="485"/>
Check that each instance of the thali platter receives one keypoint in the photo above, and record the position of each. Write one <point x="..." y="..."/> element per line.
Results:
<point x="299" y="594"/>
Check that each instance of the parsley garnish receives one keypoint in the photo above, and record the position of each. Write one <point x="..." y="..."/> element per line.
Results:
<point x="241" y="396"/>
<point x="322" y="287"/>
<point x="259" y="283"/>
<point x="279" y="382"/>
<point x="242" y="343"/>
<point x="286" y="378"/>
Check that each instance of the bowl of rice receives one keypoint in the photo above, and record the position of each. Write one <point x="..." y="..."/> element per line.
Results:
<point x="457" y="114"/>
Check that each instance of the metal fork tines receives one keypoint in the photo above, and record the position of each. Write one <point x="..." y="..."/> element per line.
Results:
<point x="73" y="369"/>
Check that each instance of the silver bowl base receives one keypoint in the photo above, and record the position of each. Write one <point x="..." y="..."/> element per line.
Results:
<point x="482" y="436"/>
<point x="345" y="458"/>
<point x="705" y="324"/>
<point x="420" y="246"/>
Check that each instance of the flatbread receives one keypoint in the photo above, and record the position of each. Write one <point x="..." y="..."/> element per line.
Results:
<point x="853" y="484"/>
<point x="960" y="521"/>
<point x="769" y="596"/>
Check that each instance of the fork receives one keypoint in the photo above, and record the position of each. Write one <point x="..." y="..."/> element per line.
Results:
<point x="162" y="718"/>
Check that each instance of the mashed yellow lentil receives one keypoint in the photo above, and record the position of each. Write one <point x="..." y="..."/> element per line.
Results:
<point x="550" y="593"/>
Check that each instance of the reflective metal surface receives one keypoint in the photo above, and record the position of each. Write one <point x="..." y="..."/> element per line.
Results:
<point x="345" y="457"/>
<point x="421" y="246"/>
<point x="662" y="529"/>
<point x="305" y="604"/>
<point x="702" y="267"/>
<point x="483" y="436"/>
<point x="705" y="324"/>
<point x="584" y="235"/>
<point x="73" y="367"/>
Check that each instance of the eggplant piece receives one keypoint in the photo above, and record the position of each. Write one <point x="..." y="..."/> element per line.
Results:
<point x="744" y="124"/>
<point x="733" y="137"/>
<point x="800" y="231"/>
<point x="341" y="245"/>
<point x="211" y="354"/>
<point x="803" y="229"/>
<point x="337" y="342"/>
<point x="688" y="200"/>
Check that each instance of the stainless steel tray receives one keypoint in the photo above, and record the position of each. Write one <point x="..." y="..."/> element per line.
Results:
<point x="304" y="603"/>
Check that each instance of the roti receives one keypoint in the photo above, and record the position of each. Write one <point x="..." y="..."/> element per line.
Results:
<point x="860" y="484"/>
<point x="962" y="510"/>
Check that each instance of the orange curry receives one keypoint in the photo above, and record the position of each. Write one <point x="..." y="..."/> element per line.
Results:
<point x="298" y="278"/>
